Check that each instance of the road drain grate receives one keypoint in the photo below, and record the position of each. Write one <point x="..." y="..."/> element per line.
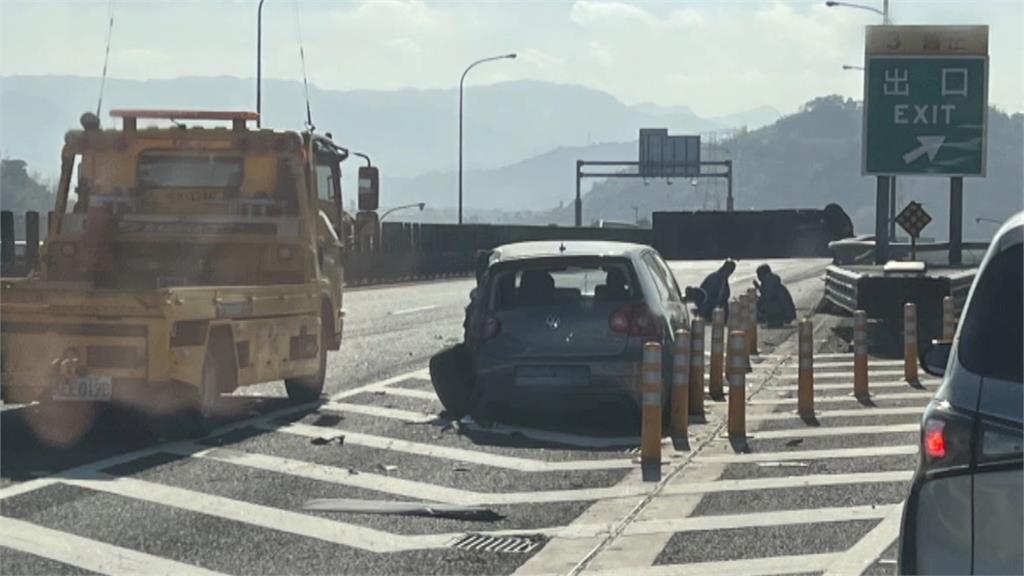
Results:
<point x="508" y="544"/>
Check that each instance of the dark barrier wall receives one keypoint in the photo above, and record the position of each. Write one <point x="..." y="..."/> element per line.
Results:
<point x="410" y="251"/>
<point x="749" y="234"/>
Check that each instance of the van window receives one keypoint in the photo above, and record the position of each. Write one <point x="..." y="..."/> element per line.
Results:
<point x="991" y="339"/>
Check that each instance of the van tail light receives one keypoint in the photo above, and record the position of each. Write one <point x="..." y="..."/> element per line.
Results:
<point x="634" y="320"/>
<point x="946" y="439"/>
<point x="491" y="327"/>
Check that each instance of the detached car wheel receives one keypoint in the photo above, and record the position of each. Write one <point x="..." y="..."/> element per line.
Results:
<point x="451" y="373"/>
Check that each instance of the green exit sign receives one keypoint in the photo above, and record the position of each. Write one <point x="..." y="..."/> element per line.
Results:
<point x="925" y="100"/>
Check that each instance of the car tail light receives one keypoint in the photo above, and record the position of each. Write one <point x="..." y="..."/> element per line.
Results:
<point x="934" y="442"/>
<point x="946" y="439"/>
<point x="491" y="328"/>
<point x="635" y="320"/>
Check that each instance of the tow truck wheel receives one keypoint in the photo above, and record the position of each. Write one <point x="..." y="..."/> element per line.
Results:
<point x="309" y="389"/>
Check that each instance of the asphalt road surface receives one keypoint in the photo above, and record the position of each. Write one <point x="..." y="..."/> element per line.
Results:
<point x="82" y="493"/>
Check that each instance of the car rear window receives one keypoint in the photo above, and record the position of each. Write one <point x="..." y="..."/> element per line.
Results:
<point x="532" y="285"/>
<point x="991" y="340"/>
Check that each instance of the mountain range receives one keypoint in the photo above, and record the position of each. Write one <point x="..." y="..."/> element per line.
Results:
<point x="407" y="132"/>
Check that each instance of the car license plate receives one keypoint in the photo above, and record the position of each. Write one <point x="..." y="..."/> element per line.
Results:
<point x="552" y="376"/>
<point x="85" y="389"/>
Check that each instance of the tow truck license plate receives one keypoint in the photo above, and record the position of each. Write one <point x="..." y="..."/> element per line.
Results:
<point x="86" y="389"/>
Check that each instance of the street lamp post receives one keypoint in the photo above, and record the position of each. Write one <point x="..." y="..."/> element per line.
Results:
<point x="884" y="13"/>
<point x="462" y="81"/>
<point x="259" y="57"/>
<point x="420" y="205"/>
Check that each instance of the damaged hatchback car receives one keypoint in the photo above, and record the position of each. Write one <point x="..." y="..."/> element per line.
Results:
<point x="558" y="327"/>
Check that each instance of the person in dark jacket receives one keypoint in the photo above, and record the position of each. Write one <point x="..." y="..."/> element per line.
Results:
<point x="716" y="290"/>
<point x="775" y="304"/>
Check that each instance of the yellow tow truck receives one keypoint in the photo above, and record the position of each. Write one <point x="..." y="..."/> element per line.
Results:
<point x="189" y="262"/>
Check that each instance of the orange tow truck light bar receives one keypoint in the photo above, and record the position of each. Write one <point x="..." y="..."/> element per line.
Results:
<point x="237" y="118"/>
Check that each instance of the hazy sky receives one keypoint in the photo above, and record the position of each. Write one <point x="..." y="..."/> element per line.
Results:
<point x="715" y="57"/>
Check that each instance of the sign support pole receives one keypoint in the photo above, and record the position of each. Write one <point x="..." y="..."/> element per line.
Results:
<point x="729" y="203"/>
<point x="956" y="220"/>
<point x="881" y="215"/>
<point x="579" y="201"/>
<point x="892" y="208"/>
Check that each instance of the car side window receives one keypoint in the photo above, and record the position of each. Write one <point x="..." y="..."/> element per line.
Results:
<point x="664" y="291"/>
<point x="991" y="336"/>
<point x="669" y="278"/>
<point x="662" y="278"/>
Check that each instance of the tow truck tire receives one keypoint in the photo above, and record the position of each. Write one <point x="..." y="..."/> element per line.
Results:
<point x="309" y="389"/>
<point x="451" y="373"/>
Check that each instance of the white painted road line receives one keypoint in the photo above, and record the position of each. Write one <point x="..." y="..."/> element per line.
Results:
<point x="408" y="488"/>
<point x="869" y="548"/>
<point x="822" y="415"/>
<point x="448" y="453"/>
<point x="848" y="365"/>
<point x="740" y="485"/>
<point x="820" y="431"/>
<point x="891" y="384"/>
<point x="91" y="555"/>
<point x="264" y="419"/>
<point x="923" y="395"/>
<point x="380" y="412"/>
<point x="421" y="373"/>
<point x="263" y="516"/>
<point x="747" y="567"/>
<point x="828" y="454"/>
<point x="413" y="310"/>
<point x="758" y="519"/>
<point x="886" y="374"/>
<point x="410" y="393"/>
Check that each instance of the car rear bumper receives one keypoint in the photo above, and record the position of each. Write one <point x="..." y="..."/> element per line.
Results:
<point x="608" y="381"/>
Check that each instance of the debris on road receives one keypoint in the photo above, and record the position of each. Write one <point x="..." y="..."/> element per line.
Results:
<point x="387" y="469"/>
<point x="432" y="509"/>
<point x="325" y="440"/>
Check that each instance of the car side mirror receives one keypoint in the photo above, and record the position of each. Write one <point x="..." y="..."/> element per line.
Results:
<point x="695" y="295"/>
<point x="935" y="357"/>
<point x="369" y="188"/>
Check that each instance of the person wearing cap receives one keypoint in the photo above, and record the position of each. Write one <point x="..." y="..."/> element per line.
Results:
<point x="775" y="306"/>
<point x="716" y="290"/>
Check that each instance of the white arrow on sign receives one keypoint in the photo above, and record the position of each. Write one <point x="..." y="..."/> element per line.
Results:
<point x="929" y="145"/>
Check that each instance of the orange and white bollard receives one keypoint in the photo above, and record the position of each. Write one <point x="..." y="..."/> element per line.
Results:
<point x="650" y="426"/>
<point x="860" y="354"/>
<point x="948" y="319"/>
<point x="737" y="372"/>
<point x="680" y="385"/>
<point x="717" y="349"/>
<point x="752" y="318"/>
<point x="697" y="367"/>
<point x="805" y="381"/>
<point x="910" y="342"/>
